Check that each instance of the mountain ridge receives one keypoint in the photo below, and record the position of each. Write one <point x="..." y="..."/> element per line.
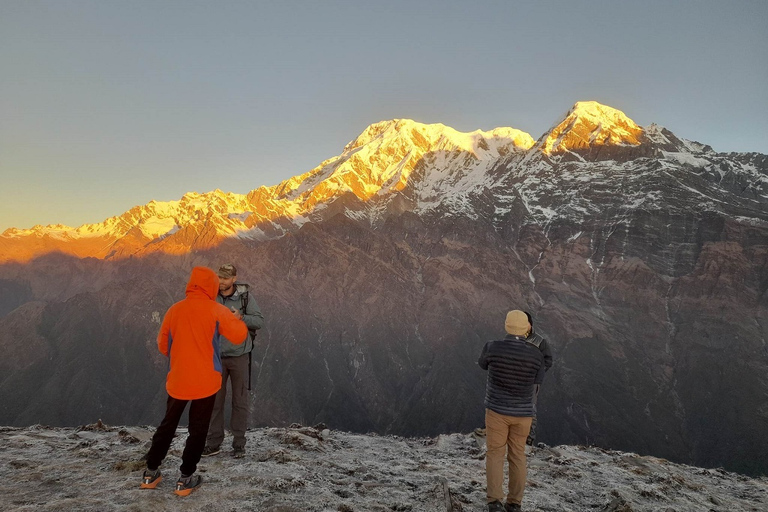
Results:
<point x="425" y="165"/>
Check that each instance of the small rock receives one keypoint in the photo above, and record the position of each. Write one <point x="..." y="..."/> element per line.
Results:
<point x="618" y="505"/>
<point x="127" y="437"/>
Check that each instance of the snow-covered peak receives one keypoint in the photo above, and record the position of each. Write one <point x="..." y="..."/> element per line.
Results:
<point x="589" y="124"/>
<point x="393" y="166"/>
<point x="669" y="142"/>
<point x="383" y="158"/>
<point x="55" y="230"/>
<point x="436" y="137"/>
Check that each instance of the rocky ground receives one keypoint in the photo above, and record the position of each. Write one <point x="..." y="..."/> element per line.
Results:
<point x="98" y="468"/>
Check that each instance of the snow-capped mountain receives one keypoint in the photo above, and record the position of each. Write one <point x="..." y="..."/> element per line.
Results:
<point x="402" y="165"/>
<point x="642" y="256"/>
<point x="419" y="165"/>
<point x="589" y="124"/>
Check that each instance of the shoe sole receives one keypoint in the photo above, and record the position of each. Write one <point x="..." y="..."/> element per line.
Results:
<point x="184" y="492"/>
<point x="152" y="484"/>
<point x="187" y="491"/>
<point x="212" y="453"/>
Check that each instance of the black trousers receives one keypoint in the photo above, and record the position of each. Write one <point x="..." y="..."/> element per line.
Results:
<point x="199" y="417"/>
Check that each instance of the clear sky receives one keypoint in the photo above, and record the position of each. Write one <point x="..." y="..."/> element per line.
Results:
<point x="105" y="104"/>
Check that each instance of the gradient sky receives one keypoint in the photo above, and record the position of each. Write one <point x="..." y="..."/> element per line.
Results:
<point x="105" y="105"/>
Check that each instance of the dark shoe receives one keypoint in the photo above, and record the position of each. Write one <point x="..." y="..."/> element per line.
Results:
<point x="150" y="479"/>
<point x="210" y="450"/>
<point x="496" y="506"/>
<point x="187" y="484"/>
<point x="514" y="507"/>
<point x="238" y="453"/>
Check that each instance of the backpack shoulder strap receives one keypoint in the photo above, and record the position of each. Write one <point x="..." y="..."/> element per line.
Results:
<point x="244" y="301"/>
<point x="242" y="289"/>
<point x="535" y="340"/>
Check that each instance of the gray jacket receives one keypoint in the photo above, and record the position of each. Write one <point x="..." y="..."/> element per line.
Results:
<point x="251" y="316"/>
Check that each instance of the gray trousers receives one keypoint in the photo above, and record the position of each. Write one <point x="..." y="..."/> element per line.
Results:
<point x="236" y="370"/>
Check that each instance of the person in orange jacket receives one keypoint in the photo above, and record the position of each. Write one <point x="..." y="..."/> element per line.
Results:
<point x="189" y="337"/>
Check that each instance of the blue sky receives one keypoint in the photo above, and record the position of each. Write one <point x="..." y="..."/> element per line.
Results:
<point x="105" y="105"/>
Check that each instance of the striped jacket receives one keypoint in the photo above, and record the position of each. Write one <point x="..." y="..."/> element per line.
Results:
<point x="514" y="367"/>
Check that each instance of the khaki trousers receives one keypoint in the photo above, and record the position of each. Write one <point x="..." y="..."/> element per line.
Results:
<point x="234" y="369"/>
<point x="505" y="435"/>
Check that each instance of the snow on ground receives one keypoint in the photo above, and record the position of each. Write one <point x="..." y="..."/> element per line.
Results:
<point x="98" y="468"/>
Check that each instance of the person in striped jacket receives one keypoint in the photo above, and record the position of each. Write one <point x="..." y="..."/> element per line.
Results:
<point x="515" y="369"/>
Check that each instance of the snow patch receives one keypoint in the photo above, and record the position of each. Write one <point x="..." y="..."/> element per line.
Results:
<point x="155" y="227"/>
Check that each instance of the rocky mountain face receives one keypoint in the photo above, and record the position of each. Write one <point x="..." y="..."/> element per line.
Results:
<point x="643" y="258"/>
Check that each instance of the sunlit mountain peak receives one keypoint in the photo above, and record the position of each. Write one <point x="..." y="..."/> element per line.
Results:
<point x="438" y="137"/>
<point x="391" y="167"/>
<point x="382" y="159"/>
<point x="590" y="124"/>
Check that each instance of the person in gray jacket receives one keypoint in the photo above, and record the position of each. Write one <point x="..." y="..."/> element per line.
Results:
<point x="234" y="365"/>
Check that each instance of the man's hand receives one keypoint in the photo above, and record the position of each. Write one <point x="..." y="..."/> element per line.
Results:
<point x="237" y="313"/>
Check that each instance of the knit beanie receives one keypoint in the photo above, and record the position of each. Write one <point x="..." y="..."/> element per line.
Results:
<point x="517" y="323"/>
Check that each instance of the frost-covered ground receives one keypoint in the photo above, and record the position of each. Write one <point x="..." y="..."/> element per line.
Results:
<point x="98" y="468"/>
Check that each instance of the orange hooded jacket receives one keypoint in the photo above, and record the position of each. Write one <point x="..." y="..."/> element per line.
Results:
<point x="189" y="336"/>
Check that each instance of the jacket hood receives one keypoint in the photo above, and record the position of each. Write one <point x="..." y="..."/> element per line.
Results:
<point x="203" y="281"/>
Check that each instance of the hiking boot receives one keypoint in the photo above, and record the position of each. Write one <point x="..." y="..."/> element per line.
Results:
<point x="150" y="479"/>
<point x="210" y="450"/>
<point x="496" y="506"/>
<point x="514" y="507"/>
<point x="238" y="452"/>
<point x="187" y="484"/>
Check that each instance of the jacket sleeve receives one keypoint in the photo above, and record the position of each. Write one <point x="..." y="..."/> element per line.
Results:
<point x="547" y="352"/>
<point x="164" y="336"/>
<point x="252" y="316"/>
<point x="483" y="361"/>
<point x="230" y="327"/>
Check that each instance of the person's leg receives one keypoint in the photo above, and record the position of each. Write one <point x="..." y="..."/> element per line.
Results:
<point x="518" y="432"/>
<point x="239" y="378"/>
<point x="163" y="437"/>
<point x="216" y="428"/>
<point x="496" y="443"/>
<point x="199" y="418"/>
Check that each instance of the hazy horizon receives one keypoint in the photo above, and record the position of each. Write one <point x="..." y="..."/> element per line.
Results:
<point x="108" y="106"/>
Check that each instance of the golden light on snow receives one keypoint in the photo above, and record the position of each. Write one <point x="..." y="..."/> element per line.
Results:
<point x="591" y="124"/>
<point x="373" y="168"/>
